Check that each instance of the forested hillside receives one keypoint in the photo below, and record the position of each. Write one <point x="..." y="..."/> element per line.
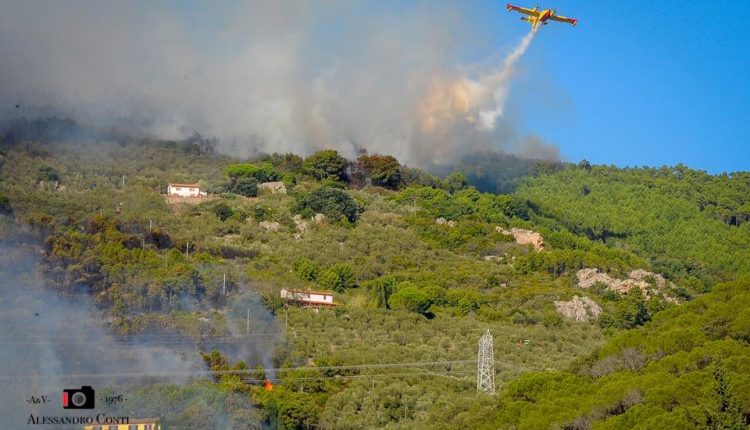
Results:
<point x="689" y="224"/>
<point x="421" y="265"/>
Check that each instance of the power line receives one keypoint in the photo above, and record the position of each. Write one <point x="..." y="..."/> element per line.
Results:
<point x="245" y="371"/>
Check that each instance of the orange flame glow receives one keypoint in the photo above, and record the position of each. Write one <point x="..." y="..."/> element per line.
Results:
<point x="267" y="385"/>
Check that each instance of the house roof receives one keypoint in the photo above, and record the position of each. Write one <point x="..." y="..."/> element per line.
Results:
<point x="325" y="293"/>
<point x="176" y="184"/>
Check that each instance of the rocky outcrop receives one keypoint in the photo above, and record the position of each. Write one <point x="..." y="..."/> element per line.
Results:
<point x="443" y="221"/>
<point x="637" y="279"/>
<point x="589" y="277"/>
<point x="644" y="275"/>
<point x="319" y="218"/>
<point x="579" y="309"/>
<point x="274" y="187"/>
<point x="524" y="237"/>
<point x="269" y="225"/>
<point x="301" y="226"/>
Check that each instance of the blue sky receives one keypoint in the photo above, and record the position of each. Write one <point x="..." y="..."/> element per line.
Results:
<point x="636" y="82"/>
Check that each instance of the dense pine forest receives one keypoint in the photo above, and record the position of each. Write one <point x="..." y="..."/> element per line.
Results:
<point x="421" y="265"/>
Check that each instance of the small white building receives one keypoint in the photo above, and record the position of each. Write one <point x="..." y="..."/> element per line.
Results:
<point x="308" y="298"/>
<point x="184" y="190"/>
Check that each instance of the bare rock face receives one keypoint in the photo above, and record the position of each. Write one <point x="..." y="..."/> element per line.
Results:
<point x="524" y="237"/>
<point x="636" y="279"/>
<point x="319" y="218"/>
<point x="579" y="309"/>
<point x="269" y="225"/>
<point x="589" y="277"/>
<point x="274" y="187"/>
<point x="643" y="275"/>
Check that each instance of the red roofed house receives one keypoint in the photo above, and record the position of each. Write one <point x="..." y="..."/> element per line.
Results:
<point x="316" y="299"/>
<point x="184" y="190"/>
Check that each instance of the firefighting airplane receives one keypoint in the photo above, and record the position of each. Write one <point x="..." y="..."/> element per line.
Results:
<point x="536" y="16"/>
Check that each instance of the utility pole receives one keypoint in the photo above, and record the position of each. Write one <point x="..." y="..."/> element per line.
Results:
<point x="247" y="324"/>
<point x="123" y="182"/>
<point x="150" y="226"/>
<point x="486" y="365"/>
<point x="224" y="286"/>
<point x="187" y="249"/>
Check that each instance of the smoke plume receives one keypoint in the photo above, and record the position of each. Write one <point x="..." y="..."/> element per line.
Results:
<point x="44" y="338"/>
<point x="270" y="76"/>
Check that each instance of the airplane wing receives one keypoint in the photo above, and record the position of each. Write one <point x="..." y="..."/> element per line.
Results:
<point x="564" y="19"/>
<point x="523" y="10"/>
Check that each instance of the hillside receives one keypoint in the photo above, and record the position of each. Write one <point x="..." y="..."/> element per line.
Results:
<point x="421" y="265"/>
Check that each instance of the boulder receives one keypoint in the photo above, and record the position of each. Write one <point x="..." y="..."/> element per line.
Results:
<point x="301" y="226"/>
<point x="579" y="309"/>
<point x="443" y="221"/>
<point x="269" y="225"/>
<point x="524" y="237"/>
<point x="274" y="187"/>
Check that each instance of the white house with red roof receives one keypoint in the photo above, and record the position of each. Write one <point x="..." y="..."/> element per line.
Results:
<point x="184" y="190"/>
<point x="316" y="299"/>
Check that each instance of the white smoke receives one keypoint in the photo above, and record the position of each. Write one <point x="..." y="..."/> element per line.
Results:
<point x="501" y="83"/>
<point x="273" y="76"/>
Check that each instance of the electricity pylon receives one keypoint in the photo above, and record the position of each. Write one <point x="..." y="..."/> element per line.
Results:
<point x="486" y="365"/>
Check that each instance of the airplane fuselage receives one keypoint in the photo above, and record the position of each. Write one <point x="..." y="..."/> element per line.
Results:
<point x="535" y="16"/>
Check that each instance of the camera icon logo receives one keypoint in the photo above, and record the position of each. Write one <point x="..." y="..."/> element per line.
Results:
<point x="78" y="398"/>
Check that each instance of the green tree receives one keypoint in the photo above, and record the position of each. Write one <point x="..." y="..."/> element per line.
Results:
<point x="223" y="211"/>
<point x="456" y="181"/>
<point x="246" y="186"/>
<point x="326" y="164"/>
<point x="382" y="289"/>
<point x="383" y="170"/>
<point x="306" y="269"/>
<point x="263" y="172"/>
<point x="338" y="278"/>
<point x="410" y="298"/>
<point x="331" y="202"/>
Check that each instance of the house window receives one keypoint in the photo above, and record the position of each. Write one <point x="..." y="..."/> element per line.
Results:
<point x="133" y="427"/>
<point x="112" y="427"/>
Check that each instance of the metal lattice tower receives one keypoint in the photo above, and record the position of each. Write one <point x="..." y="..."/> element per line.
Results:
<point x="486" y="365"/>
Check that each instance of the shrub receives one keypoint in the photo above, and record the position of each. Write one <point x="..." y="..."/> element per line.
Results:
<point x="246" y="186"/>
<point x="5" y="207"/>
<point x="223" y="211"/>
<point x="48" y="173"/>
<point x="331" y="202"/>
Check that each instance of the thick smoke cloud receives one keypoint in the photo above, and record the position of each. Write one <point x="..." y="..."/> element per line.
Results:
<point x="45" y="338"/>
<point x="277" y="76"/>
